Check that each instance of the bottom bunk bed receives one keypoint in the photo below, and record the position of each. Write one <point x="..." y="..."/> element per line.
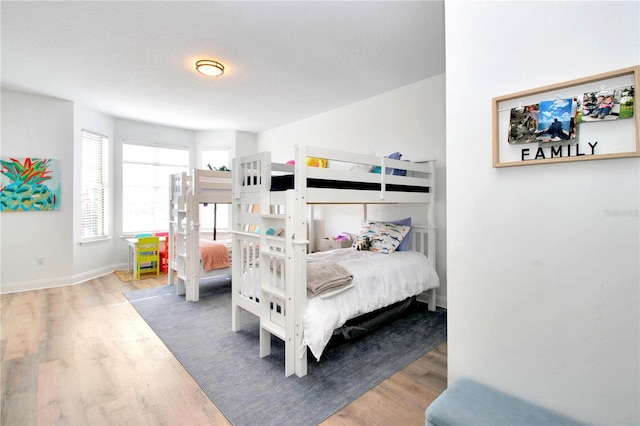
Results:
<point x="342" y="284"/>
<point x="214" y="260"/>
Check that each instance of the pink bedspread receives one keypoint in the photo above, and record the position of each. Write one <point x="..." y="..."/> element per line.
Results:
<point x="214" y="255"/>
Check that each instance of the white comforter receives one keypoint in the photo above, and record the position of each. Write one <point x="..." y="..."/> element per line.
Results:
<point x="379" y="280"/>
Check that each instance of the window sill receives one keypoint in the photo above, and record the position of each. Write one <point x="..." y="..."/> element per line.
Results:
<point x="93" y="241"/>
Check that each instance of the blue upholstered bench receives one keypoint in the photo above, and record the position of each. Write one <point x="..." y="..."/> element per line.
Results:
<point x="467" y="402"/>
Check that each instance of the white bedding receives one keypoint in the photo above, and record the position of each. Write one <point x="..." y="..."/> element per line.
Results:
<point x="378" y="281"/>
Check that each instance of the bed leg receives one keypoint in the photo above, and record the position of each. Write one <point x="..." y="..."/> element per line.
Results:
<point x="188" y="294"/>
<point x="265" y="343"/>
<point x="300" y="363"/>
<point x="289" y="358"/>
<point x="195" y="290"/>
<point x="180" y="287"/>
<point x="428" y="297"/>
<point x="432" y="299"/>
<point x="192" y="291"/>
<point x="235" y="317"/>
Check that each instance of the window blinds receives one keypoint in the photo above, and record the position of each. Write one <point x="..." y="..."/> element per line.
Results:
<point x="94" y="186"/>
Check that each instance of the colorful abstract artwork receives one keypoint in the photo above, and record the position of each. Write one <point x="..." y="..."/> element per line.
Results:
<point x="29" y="184"/>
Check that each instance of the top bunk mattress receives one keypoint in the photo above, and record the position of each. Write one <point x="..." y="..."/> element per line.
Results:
<point x="285" y="182"/>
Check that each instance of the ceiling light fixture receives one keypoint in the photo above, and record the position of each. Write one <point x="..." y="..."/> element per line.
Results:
<point x="209" y="67"/>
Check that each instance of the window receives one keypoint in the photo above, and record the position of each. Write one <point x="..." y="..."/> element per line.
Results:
<point x="215" y="159"/>
<point x="145" y="185"/>
<point x="94" y="186"/>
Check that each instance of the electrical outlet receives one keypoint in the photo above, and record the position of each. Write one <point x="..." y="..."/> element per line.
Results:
<point x="40" y="260"/>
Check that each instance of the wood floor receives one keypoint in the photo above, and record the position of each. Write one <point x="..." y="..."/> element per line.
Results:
<point x="81" y="355"/>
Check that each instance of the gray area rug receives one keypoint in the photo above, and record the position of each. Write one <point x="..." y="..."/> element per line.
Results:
<point x="250" y="390"/>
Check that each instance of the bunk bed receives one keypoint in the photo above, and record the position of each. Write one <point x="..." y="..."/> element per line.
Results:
<point x="190" y="257"/>
<point x="273" y="262"/>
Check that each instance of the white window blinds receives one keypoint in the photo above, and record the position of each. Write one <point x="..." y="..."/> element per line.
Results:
<point x="94" y="186"/>
<point x="145" y="181"/>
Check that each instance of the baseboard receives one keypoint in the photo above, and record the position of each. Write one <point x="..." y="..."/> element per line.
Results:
<point x="19" y="286"/>
<point x="441" y="302"/>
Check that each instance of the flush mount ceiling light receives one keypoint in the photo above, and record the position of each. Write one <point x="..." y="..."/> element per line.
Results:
<point x="209" y="67"/>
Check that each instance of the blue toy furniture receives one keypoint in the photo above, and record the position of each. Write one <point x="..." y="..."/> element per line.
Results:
<point x="468" y="402"/>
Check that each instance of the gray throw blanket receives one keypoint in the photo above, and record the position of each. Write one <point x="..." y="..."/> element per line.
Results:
<point x="326" y="276"/>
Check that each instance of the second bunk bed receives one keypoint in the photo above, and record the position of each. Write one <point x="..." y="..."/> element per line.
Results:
<point x="190" y="256"/>
<point x="275" y="277"/>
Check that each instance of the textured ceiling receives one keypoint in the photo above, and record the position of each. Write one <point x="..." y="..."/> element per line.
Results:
<point x="285" y="61"/>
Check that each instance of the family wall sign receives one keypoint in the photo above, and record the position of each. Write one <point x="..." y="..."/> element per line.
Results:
<point x="585" y="119"/>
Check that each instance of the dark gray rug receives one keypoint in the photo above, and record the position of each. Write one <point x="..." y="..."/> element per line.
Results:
<point x="251" y="390"/>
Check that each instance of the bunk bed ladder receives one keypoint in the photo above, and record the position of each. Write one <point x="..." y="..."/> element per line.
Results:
<point x="281" y="313"/>
<point x="181" y="251"/>
<point x="192" y="258"/>
<point x="274" y="300"/>
<point x="178" y="233"/>
<point x="251" y="180"/>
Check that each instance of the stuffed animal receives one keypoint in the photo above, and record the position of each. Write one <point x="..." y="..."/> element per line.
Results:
<point x="363" y="243"/>
<point x="317" y="162"/>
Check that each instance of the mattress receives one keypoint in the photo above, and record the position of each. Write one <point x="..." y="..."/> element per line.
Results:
<point x="285" y="182"/>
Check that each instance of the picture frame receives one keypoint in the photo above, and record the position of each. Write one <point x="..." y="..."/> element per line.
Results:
<point x="29" y="184"/>
<point x="590" y="118"/>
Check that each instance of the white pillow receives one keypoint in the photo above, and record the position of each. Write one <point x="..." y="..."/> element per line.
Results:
<point x="363" y="167"/>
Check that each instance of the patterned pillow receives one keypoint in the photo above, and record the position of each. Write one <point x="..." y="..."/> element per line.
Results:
<point x="385" y="236"/>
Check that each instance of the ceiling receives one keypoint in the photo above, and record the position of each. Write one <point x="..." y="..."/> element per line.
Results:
<point x="285" y="61"/>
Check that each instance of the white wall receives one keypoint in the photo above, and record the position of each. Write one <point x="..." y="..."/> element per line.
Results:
<point x="410" y="119"/>
<point x="543" y="277"/>
<point x="238" y="143"/>
<point x="246" y="143"/>
<point x="36" y="126"/>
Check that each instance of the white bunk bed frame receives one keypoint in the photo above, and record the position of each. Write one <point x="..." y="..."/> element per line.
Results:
<point x="187" y="192"/>
<point x="282" y="301"/>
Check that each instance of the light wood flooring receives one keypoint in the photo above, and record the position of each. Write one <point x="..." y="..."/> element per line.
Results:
<point x="81" y="355"/>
